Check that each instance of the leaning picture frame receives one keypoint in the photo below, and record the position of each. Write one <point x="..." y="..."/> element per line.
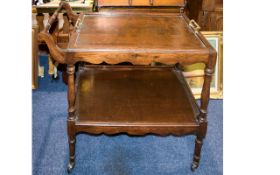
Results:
<point x="194" y="73"/>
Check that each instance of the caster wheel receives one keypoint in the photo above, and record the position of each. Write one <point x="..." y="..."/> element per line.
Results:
<point x="194" y="167"/>
<point x="70" y="167"/>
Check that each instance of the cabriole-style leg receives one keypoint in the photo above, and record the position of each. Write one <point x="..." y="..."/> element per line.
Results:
<point x="71" y="117"/>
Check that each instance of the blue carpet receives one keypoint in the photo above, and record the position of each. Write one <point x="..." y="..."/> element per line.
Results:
<point x="116" y="155"/>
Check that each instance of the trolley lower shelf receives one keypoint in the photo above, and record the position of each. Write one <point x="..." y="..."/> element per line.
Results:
<point x="134" y="99"/>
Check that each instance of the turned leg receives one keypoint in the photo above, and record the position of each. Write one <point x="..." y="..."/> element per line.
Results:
<point x="202" y="120"/>
<point x="71" y="117"/>
<point x="197" y="150"/>
<point x="71" y="141"/>
<point x="198" y="143"/>
<point x="205" y="94"/>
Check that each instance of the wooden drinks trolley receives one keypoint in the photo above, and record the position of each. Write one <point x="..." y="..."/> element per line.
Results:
<point x="137" y="98"/>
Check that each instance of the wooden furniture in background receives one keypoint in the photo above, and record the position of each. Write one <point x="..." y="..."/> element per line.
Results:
<point x="136" y="99"/>
<point x="134" y="3"/>
<point x="209" y="16"/>
<point x="42" y="14"/>
<point x="44" y="11"/>
<point x="77" y="6"/>
<point x="207" y="13"/>
<point x="34" y="54"/>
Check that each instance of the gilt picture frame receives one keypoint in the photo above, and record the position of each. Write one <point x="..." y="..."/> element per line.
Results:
<point x="194" y="73"/>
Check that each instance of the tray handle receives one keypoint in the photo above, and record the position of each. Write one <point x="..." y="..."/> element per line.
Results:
<point x="45" y="35"/>
<point x="194" y="25"/>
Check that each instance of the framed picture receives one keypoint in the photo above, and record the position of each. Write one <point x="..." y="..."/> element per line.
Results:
<point x="194" y="74"/>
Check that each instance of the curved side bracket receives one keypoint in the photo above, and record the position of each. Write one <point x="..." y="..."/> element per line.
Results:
<point x="56" y="52"/>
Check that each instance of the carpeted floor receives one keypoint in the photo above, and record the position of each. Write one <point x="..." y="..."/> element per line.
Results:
<point x="116" y="155"/>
